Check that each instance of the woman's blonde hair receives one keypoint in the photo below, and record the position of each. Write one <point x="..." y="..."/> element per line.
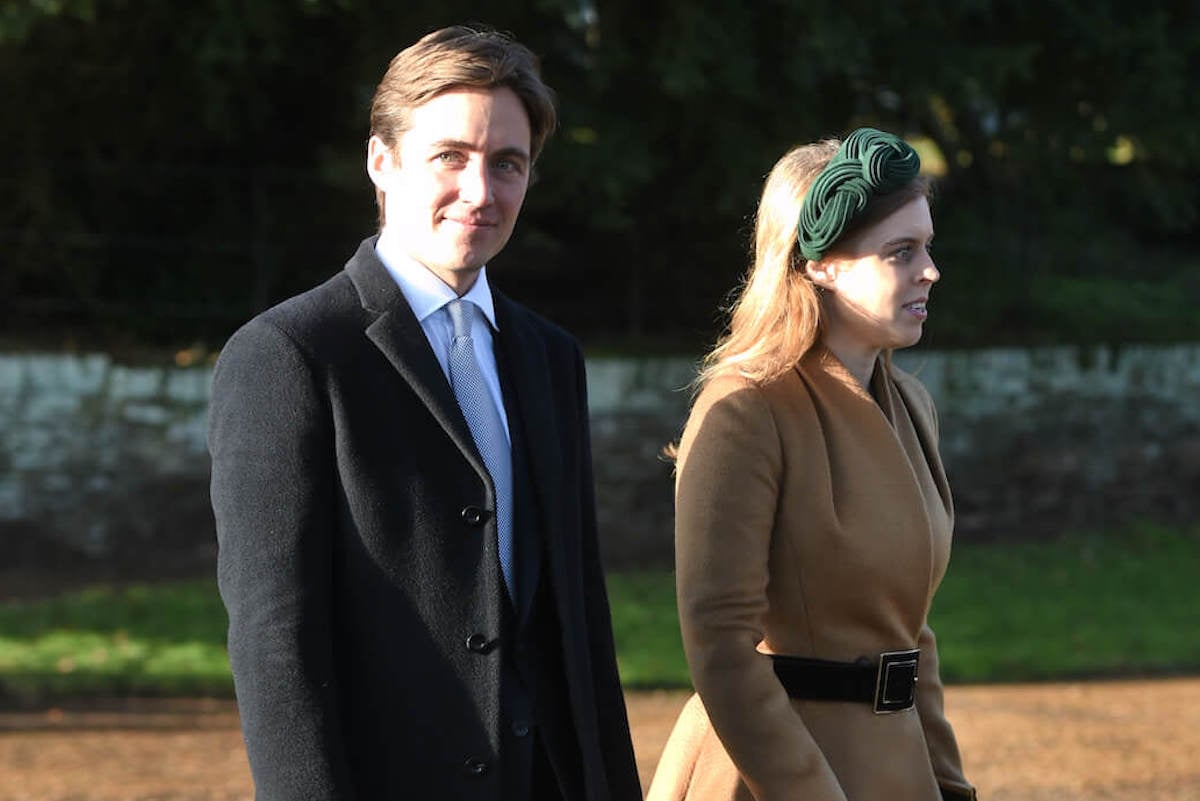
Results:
<point x="776" y="317"/>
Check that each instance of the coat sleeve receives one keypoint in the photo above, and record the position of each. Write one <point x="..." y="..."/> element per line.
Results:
<point x="727" y="486"/>
<point x="271" y="441"/>
<point x="612" y="718"/>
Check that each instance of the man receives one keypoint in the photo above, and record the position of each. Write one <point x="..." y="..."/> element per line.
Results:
<point x="403" y="490"/>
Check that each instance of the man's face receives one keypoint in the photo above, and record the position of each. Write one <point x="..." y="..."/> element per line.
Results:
<point x="455" y="183"/>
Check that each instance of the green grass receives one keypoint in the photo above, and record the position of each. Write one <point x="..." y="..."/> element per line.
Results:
<point x="1124" y="603"/>
<point x="166" y="639"/>
<point x="646" y="627"/>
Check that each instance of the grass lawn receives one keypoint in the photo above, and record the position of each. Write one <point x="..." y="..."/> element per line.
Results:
<point x="1119" y="603"/>
<point x="1123" y="603"/>
<point x="165" y="639"/>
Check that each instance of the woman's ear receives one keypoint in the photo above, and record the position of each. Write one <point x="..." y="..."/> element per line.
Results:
<point x="822" y="273"/>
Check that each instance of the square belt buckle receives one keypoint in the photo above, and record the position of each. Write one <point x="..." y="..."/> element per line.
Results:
<point x="896" y="683"/>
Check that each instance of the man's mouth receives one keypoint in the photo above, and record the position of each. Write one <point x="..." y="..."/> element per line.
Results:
<point x="477" y="222"/>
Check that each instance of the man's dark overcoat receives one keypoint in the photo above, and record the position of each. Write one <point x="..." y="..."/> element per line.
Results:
<point x="369" y="632"/>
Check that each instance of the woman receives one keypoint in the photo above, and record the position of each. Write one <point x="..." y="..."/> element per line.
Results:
<point x="813" y="517"/>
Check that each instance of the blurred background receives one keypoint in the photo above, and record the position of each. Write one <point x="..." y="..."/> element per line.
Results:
<point x="170" y="169"/>
<point x="167" y="170"/>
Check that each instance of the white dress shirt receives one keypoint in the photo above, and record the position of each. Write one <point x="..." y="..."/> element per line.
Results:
<point x="428" y="295"/>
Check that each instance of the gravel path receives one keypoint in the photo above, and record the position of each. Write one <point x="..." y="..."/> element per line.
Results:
<point x="1095" y="741"/>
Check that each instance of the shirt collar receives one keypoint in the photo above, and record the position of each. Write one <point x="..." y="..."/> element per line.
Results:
<point x="424" y="291"/>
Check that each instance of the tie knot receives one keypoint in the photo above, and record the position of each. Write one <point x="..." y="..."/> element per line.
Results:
<point x="462" y="314"/>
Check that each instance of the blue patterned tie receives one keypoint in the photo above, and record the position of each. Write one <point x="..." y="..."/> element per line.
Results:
<point x="486" y="427"/>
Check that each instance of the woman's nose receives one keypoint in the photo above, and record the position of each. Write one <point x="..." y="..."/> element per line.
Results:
<point x="931" y="273"/>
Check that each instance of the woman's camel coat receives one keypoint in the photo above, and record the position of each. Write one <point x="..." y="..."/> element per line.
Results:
<point x="813" y="521"/>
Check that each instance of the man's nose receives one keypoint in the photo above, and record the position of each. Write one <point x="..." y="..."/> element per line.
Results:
<point x="475" y="184"/>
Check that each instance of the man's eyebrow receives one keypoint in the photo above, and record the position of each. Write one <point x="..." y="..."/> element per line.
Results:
<point x="458" y="144"/>
<point x="450" y="144"/>
<point x="511" y="152"/>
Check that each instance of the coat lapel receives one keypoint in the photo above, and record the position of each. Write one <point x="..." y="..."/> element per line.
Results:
<point x="525" y="355"/>
<point x="922" y="426"/>
<point x="864" y="434"/>
<point x="397" y="334"/>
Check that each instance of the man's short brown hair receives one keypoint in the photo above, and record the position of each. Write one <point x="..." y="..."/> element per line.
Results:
<point x="460" y="57"/>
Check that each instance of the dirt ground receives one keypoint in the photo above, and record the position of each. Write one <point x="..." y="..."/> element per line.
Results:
<point x="1094" y="741"/>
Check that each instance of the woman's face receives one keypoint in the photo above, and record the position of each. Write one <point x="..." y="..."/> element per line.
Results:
<point x="877" y="283"/>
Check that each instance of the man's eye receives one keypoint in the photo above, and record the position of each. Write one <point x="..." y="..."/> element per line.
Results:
<point x="509" y="165"/>
<point x="449" y="157"/>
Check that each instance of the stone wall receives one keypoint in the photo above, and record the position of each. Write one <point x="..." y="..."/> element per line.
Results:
<point x="103" y="468"/>
<point x="1038" y="441"/>
<point x="104" y="465"/>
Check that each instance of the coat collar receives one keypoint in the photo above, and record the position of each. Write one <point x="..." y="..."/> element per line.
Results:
<point x="377" y="290"/>
<point x="398" y="335"/>
<point x="896" y="425"/>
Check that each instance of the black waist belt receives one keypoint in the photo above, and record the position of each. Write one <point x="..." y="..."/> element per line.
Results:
<point x="890" y="685"/>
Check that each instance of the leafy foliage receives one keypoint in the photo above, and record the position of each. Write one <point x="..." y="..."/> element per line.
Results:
<point x="170" y="169"/>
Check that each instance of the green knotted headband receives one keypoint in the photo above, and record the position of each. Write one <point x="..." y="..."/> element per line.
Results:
<point x="869" y="162"/>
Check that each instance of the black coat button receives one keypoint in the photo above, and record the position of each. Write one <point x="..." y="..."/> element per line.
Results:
<point x="520" y="728"/>
<point x="475" y="767"/>
<point x="478" y="643"/>
<point x="473" y="515"/>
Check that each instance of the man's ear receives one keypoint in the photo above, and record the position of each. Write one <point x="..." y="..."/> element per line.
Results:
<point x="382" y="162"/>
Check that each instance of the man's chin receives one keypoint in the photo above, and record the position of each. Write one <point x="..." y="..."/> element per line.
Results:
<point x="471" y="259"/>
<point x="455" y="261"/>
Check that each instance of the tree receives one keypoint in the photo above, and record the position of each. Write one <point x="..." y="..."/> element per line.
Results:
<point x="172" y="169"/>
